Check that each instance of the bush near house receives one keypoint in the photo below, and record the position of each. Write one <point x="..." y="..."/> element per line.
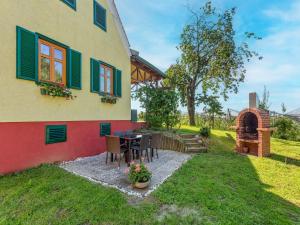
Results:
<point x="161" y="106"/>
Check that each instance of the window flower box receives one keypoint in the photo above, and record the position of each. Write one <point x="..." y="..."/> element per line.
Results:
<point x="55" y="90"/>
<point x="109" y="99"/>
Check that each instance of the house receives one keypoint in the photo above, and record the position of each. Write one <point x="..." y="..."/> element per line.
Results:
<point x="65" y="48"/>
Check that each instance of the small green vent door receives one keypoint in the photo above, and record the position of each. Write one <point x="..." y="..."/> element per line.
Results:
<point x="56" y="134"/>
<point x="105" y="129"/>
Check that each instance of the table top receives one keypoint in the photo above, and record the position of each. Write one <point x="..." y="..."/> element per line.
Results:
<point x="132" y="137"/>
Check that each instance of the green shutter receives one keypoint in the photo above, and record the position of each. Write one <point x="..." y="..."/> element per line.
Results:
<point x="99" y="16"/>
<point x="105" y="129"/>
<point x="115" y="82"/>
<point x="56" y="134"/>
<point x="27" y="55"/>
<point x="118" y="83"/>
<point x="95" y="76"/>
<point x="134" y="115"/>
<point x="70" y="3"/>
<point x="75" y="69"/>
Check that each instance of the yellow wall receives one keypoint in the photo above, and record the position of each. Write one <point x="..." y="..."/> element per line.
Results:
<point x="21" y="100"/>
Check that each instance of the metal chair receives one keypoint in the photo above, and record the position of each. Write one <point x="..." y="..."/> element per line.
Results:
<point x="142" y="146"/>
<point x="113" y="146"/>
<point x="156" y="143"/>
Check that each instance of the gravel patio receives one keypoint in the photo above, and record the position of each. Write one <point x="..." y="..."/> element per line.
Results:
<point x="94" y="169"/>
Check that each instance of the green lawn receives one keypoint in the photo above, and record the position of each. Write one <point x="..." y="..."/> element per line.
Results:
<point x="219" y="187"/>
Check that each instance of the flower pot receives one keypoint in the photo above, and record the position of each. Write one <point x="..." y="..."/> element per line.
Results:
<point x="143" y="185"/>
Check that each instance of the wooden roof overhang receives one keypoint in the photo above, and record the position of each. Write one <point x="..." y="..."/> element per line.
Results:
<point x="143" y="72"/>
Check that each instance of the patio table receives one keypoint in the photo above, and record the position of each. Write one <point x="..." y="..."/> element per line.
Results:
<point x="129" y="140"/>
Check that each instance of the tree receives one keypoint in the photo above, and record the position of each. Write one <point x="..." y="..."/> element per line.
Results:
<point x="213" y="108"/>
<point x="141" y="116"/>
<point x="160" y="104"/>
<point x="211" y="59"/>
<point x="264" y="103"/>
<point x="283" y="108"/>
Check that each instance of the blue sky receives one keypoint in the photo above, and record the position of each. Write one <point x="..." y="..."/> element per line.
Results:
<point x="154" y="27"/>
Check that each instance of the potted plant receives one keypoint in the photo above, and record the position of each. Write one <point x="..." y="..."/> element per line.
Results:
<point x="139" y="175"/>
<point x="55" y="90"/>
<point x="109" y="99"/>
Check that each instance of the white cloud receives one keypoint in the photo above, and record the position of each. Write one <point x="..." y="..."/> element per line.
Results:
<point x="280" y="50"/>
<point x="288" y="15"/>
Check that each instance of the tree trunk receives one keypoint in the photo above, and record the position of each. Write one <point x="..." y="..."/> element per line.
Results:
<point x="191" y="109"/>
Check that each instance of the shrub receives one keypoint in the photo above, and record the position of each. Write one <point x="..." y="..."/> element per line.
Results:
<point x="205" y="132"/>
<point x="286" y="129"/>
<point x="161" y="105"/>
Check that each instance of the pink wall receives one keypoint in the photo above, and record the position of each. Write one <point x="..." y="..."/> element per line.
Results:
<point x="22" y="145"/>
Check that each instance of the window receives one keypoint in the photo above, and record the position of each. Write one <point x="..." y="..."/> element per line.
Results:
<point x="106" y="79"/>
<point x="52" y="63"/>
<point x="71" y="3"/>
<point x="42" y="58"/>
<point x="99" y="16"/>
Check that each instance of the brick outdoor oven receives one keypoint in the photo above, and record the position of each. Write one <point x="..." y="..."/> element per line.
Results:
<point x="253" y="130"/>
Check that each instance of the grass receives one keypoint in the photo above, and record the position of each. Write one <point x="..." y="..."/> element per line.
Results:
<point x="219" y="187"/>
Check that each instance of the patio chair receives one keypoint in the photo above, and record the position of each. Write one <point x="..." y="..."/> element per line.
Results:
<point x="120" y="134"/>
<point x="113" y="146"/>
<point x="142" y="146"/>
<point x="156" y="143"/>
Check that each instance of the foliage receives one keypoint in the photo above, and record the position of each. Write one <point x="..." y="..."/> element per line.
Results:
<point x="109" y="99"/>
<point x="203" y="120"/>
<point x="205" y="132"/>
<point x="138" y="173"/>
<point x="286" y="129"/>
<point x="212" y="108"/>
<point x="264" y="103"/>
<point x="223" y="182"/>
<point x="211" y="59"/>
<point x="55" y="90"/>
<point x="283" y="108"/>
<point x="161" y="106"/>
<point x="141" y="116"/>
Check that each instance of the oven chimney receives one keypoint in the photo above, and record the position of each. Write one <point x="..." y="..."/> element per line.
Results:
<point x="253" y="100"/>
